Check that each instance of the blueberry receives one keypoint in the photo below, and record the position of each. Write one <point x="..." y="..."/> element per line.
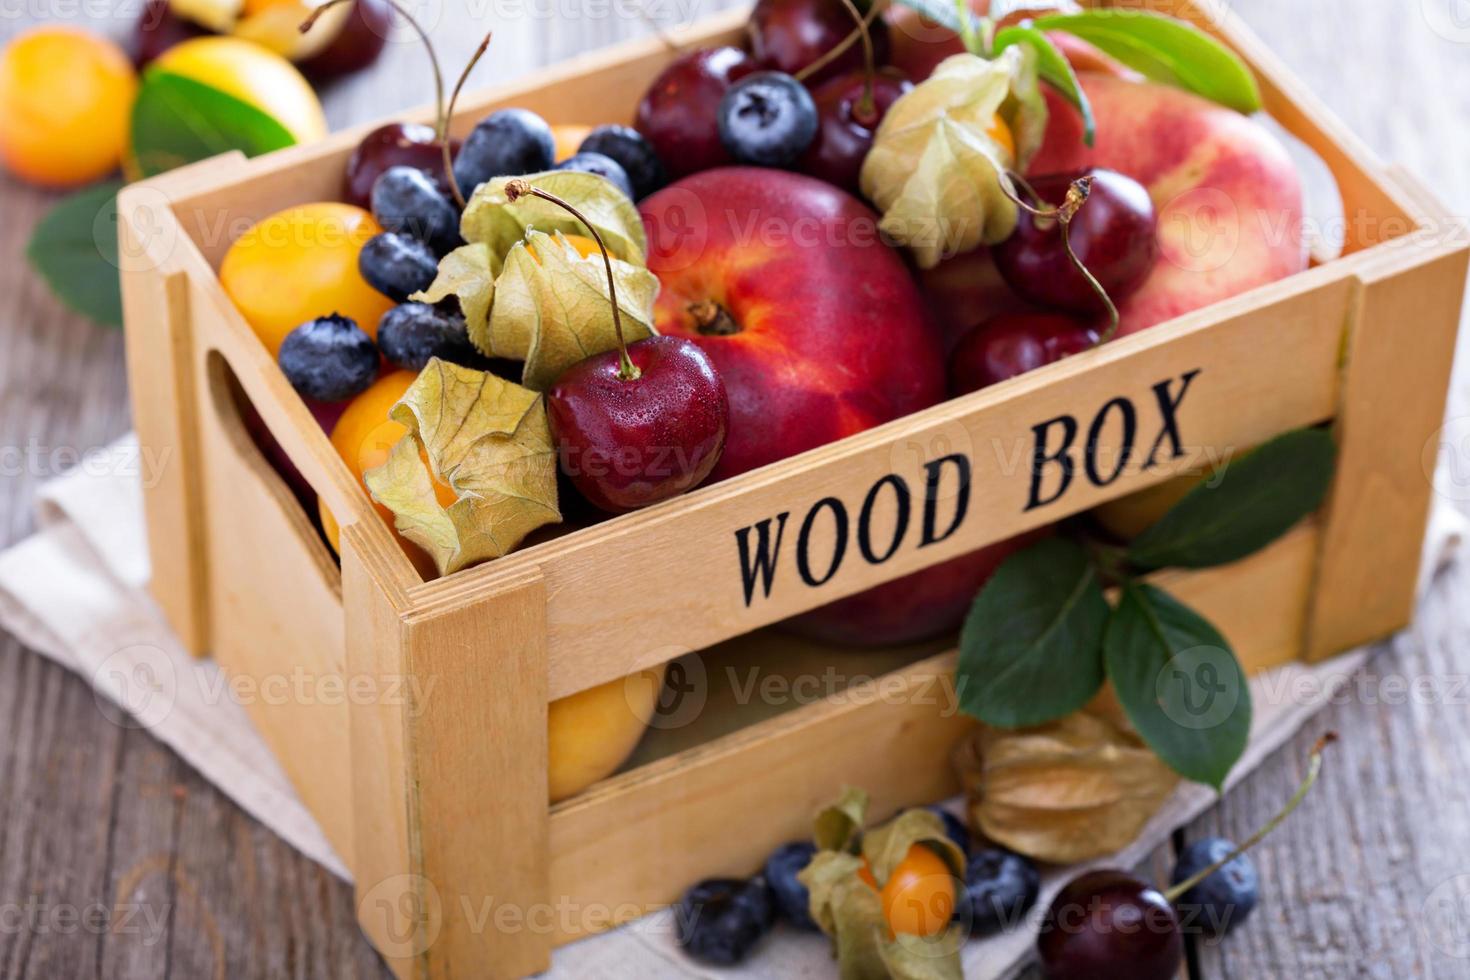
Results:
<point x="793" y="901"/>
<point x="767" y="119"/>
<point x="397" y="266"/>
<point x="602" y="166"/>
<point x="1223" y="900"/>
<point x="720" y="920"/>
<point x="1000" y="888"/>
<point x="412" y="333"/>
<point x="329" y="359"/>
<point x="633" y="152"/>
<point x="954" y="828"/>
<point x="507" y="143"/>
<point x="406" y="201"/>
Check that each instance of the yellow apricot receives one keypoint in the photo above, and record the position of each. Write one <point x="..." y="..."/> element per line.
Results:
<point x="569" y="137"/>
<point x="299" y="264"/>
<point x="65" y="99"/>
<point x="591" y="733"/>
<point x="252" y="74"/>
<point x="363" y="436"/>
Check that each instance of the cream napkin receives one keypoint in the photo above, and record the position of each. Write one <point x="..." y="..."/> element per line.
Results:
<point x="74" y="592"/>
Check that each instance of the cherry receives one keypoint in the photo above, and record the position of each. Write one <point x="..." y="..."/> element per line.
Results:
<point x="394" y="145"/>
<point x="640" y="423"/>
<point x="845" y="124"/>
<point x="1115" y="235"/>
<point x="1109" y="925"/>
<point x="789" y="35"/>
<point x="363" y="36"/>
<point x="679" y="113"/>
<point x="1014" y="343"/>
<point x="159" y="29"/>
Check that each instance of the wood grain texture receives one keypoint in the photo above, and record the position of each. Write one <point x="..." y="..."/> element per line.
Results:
<point x="1346" y="880"/>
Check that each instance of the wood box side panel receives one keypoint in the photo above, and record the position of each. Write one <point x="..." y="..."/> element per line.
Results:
<point x="1269" y="367"/>
<point x="720" y="808"/>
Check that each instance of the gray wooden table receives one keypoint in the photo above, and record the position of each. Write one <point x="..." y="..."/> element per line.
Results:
<point x="117" y="860"/>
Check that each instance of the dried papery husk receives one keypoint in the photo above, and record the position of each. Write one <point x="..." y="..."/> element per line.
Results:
<point x="1072" y="790"/>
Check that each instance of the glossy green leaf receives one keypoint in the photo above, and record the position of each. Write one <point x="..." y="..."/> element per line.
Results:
<point x="1166" y="50"/>
<point x="74" y="248"/>
<point x="1179" y="682"/>
<point x="1054" y="68"/>
<point x="177" y="120"/>
<point x="1256" y="499"/>
<point x="1031" y="647"/>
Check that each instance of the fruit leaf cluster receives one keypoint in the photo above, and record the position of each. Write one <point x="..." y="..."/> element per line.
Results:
<point x="1041" y="638"/>
<point x="1163" y="49"/>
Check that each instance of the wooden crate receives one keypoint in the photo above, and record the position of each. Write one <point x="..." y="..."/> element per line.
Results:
<point x="437" y="800"/>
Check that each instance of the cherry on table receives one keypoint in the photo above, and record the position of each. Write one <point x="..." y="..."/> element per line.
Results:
<point x="359" y="43"/>
<point x="678" y="113"/>
<point x="394" y="145"/>
<point x="1114" y="234"/>
<point x="158" y="29"/>
<point x="1012" y="344"/>
<point x="1110" y="925"/>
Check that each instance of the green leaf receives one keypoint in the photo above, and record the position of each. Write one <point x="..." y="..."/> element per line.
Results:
<point x="1053" y="68"/>
<point x="1031" y="647"/>
<point x="1180" y="683"/>
<point x="1257" y="498"/>
<point x="74" y="248"/>
<point x="1166" y="50"/>
<point x="177" y="120"/>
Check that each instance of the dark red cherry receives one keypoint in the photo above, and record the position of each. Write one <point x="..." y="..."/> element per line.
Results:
<point x="679" y="114"/>
<point x="394" y="145"/>
<point x="358" y="44"/>
<point x="625" y="443"/>
<point x="1115" y="234"/>
<point x="159" y="29"/>
<point x="788" y="35"/>
<point x="1014" y="343"/>
<point x="846" y="121"/>
<point x="1109" y="925"/>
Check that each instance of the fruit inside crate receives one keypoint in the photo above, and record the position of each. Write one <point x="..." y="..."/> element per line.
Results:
<point x="834" y="359"/>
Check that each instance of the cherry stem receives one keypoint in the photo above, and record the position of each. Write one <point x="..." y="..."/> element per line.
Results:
<point x="1077" y="196"/>
<point x="516" y="188"/>
<point x="439" y="129"/>
<point x="1314" y="767"/>
<point x="840" y="48"/>
<point x="866" y="111"/>
<point x="454" y="187"/>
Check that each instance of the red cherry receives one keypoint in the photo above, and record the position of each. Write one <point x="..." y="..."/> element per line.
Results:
<point x="1014" y="343"/>
<point x="1109" y="925"/>
<point x="788" y="35"/>
<point x="679" y="113"/>
<point x="1115" y="235"/>
<point x="394" y="145"/>
<point x="626" y="444"/>
<point x="846" y="123"/>
<point x="361" y="40"/>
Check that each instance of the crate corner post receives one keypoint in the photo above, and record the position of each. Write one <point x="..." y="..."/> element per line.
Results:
<point x="160" y="347"/>
<point x="1392" y="403"/>
<point x="451" y="850"/>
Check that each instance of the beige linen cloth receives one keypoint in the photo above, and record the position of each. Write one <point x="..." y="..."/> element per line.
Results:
<point x="75" y="592"/>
